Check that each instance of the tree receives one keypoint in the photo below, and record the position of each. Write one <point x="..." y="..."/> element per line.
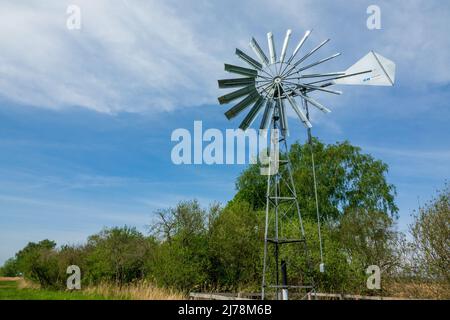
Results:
<point x="38" y="262"/>
<point x="368" y="238"/>
<point x="181" y="259"/>
<point x="235" y="246"/>
<point x="431" y="237"/>
<point x="346" y="179"/>
<point x="357" y="208"/>
<point x="9" y="268"/>
<point x="186" y="221"/>
<point x="116" y="254"/>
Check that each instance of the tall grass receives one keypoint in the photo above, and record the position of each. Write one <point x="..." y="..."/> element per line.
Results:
<point x="145" y="290"/>
<point x="141" y="290"/>
<point x="23" y="283"/>
<point x="417" y="289"/>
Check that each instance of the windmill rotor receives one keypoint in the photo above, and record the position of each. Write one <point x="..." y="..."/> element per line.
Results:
<point x="282" y="79"/>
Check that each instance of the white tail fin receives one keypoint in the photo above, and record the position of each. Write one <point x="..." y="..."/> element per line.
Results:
<point x="383" y="71"/>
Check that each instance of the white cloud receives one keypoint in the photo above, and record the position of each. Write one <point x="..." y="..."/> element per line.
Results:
<point x="147" y="56"/>
<point x="126" y="57"/>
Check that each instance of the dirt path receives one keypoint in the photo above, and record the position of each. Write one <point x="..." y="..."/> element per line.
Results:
<point x="10" y="278"/>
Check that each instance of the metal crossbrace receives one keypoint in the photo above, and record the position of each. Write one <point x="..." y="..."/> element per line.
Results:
<point x="290" y="286"/>
<point x="280" y="241"/>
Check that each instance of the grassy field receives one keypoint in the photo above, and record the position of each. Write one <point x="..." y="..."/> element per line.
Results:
<point x="18" y="289"/>
<point x="11" y="290"/>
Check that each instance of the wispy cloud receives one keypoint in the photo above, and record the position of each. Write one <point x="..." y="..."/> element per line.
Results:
<point x="148" y="56"/>
<point x="438" y="155"/>
<point x="130" y="56"/>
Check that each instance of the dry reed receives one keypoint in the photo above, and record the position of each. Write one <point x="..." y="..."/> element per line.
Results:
<point x="142" y="290"/>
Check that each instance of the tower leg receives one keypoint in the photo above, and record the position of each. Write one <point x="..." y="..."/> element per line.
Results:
<point x="266" y="231"/>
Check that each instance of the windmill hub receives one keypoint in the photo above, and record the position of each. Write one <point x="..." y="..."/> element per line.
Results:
<point x="277" y="80"/>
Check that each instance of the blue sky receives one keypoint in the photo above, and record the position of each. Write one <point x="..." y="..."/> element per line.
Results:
<point x="86" y="115"/>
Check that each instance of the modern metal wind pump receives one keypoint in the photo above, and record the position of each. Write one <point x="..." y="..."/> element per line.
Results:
<point x="269" y="84"/>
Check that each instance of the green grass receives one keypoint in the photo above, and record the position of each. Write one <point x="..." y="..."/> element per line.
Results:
<point x="9" y="290"/>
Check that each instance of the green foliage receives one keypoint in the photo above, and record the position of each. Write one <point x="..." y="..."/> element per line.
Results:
<point x="431" y="237"/>
<point x="346" y="179"/>
<point x="181" y="259"/>
<point x="303" y="264"/>
<point x="9" y="268"/>
<point x="368" y="238"/>
<point x="116" y="254"/>
<point x="38" y="262"/>
<point x="235" y="246"/>
<point x="357" y="210"/>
